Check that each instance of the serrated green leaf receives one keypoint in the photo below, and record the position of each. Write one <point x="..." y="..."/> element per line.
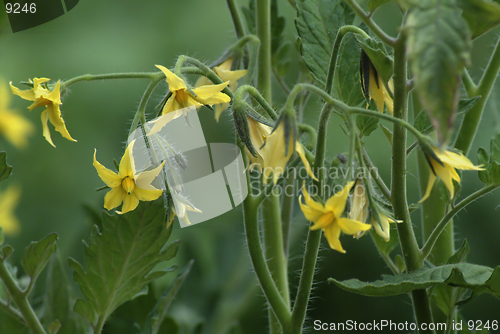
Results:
<point x="317" y="24"/>
<point x="5" y="169"/>
<point x="159" y="313"/>
<point x="439" y="48"/>
<point x="58" y="300"/>
<point x="483" y="159"/>
<point x="481" y="15"/>
<point x="120" y="259"/>
<point x="374" y="4"/>
<point x="366" y="124"/>
<point x="461" y="254"/>
<point x="37" y="254"/>
<point x="478" y="278"/>
<point x="387" y="133"/>
<point x="378" y="56"/>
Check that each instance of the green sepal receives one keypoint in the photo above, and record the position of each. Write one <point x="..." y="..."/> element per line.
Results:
<point x="379" y="57"/>
<point x="483" y="159"/>
<point x="460" y="255"/>
<point x="480" y="279"/>
<point x="241" y="126"/>
<point x="37" y="254"/>
<point x="5" y="169"/>
<point x="387" y="133"/>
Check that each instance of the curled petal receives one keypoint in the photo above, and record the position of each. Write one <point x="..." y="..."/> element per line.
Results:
<point x="109" y="177"/>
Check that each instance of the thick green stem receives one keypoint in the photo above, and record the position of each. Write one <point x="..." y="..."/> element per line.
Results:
<point x="471" y="120"/>
<point x="21" y="300"/>
<point x="263" y="13"/>
<point x="369" y="22"/>
<point x="440" y="227"/>
<point x="235" y="16"/>
<point x="408" y="242"/>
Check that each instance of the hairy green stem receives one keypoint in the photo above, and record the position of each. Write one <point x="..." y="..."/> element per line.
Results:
<point x="369" y="22"/>
<point x="408" y="242"/>
<point x="429" y="244"/>
<point x="206" y="71"/>
<point x="470" y="86"/>
<point x="335" y="51"/>
<point x="471" y="120"/>
<point x="140" y="114"/>
<point x="253" y="92"/>
<point x="21" y="300"/>
<point x="376" y="176"/>
<point x="92" y="77"/>
<point x="263" y="13"/>
<point x="235" y="16"/>
<point x="313" y="136"/>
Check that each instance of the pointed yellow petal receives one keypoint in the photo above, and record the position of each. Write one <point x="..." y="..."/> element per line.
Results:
<point x="46" y="132"/>
<point x="311" y="214"/>
<point x="130" y="202"/>
<point x="56" y="119"/>
<point x="227" y="75"/>
<point x="300" y="150"/>
<point x="458" y="161"/>
<point x="325" y="220"/>
<point x="127" y="167"/>
<point x="219" y="109"/>
<point x="114" y="198"/>
<point x="385" y="230"/>
<point x="147" y="195"/>
<point x="202" y="81"/>
<point x="349" y="226"/>
<point x="430" y="184"/>
<point x="24" y="94"/>
<point x="445" y="174"/>
<point x="174" y="82"/>
<point x="332" y="234"/>
<point x="337" y="202"/>
<point x="211" y="94"/>
<point x="109" y="177"/>
<point x="310" y="202"/>
<point x="143" y="180"/>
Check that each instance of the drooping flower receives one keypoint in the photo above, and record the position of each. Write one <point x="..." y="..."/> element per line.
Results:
<point x="275" y="153"/>
<point x="384" y="229"/>
<point x="182" y="97"/>
<point x="13" y="126"/>
<point x="224" y="72"/>
<point x="258" y="133"/>
<point x="328" y="216"/>
<point x="8" y="201"/>
<point x="127" y="185"/>
<point x="42" y="96"/>
<point x="372" y="85"/>
<point x="445" y="169"/>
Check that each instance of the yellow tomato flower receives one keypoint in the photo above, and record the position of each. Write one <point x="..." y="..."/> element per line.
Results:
<point x="51" y="100"/>
<point x="373" y="87"/>
<point x="359" y="205"/>
<point x="224" y="72"/>
<point x="328" y="216"/>
<point x="385" y="230"/>
<point x="8" y="201"/>
<point x="127" y="186"/>
<point x="258" y="133"/>
<point x="182" y="97"/>
<point x="13" y="126"/>
<point x="275" y="157"/>
<point x="445" y="169"/>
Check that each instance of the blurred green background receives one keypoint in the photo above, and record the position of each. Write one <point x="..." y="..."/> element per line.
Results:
<point x="116" y="36"/>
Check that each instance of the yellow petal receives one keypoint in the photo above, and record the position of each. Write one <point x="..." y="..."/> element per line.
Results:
<point x="332" y="234"/>
<point x="174" y="82"/>
<point x="56" y="119"/>
<point x="211" y="94"/>
<point x="24" y="94"/>
<point x="311" y="214"/>
<point x="130" y="202"/>
<point x="445" y="174"/>
<point x="114" y="198"/>
<point x="337" y="202"/>
<point x="385" y="230"/>
<point x="127" y="167"/>
<point x="109" y="177"/>
<point x="300" y="150"/>
<point x="273" y="154"/>
<point x="227" y="75"/>
<point x="349" y="226"/>
<point x="455" y="160"/>
<point x="359" y="203"/>
<point x="312" y="203"/>
<point x="8" y="201"/>
<point x="147" y="195"/>
<point x="160" y="122"/>
<point x="430" y="184"/>
<point x="376" y="93"/>
<point x="55" y="95"/>
<point x="325" y="220"/>
<point x="143" y="180"/>
<point x="46" y="132"/>
<point x="219" y="109"/>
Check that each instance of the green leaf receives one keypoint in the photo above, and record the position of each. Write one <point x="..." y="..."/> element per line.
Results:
<point x="439" y="48"/>
<point x="158" y="315"/>
<point x="366" y="125"/>
<point x="374" y="4"/>
<point x="58" y="300"/>
<point x="478" y="278"/>
<point x="317" y="24"/>
<point x="378" y="55"/>
<point x="481" y="15"/>
<point x="120" y="259"/>
<point x="5" y="169"/>
<point x="6" y="251"/>
<point x="460" y="255"/>
<point x="37" y="254"/>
